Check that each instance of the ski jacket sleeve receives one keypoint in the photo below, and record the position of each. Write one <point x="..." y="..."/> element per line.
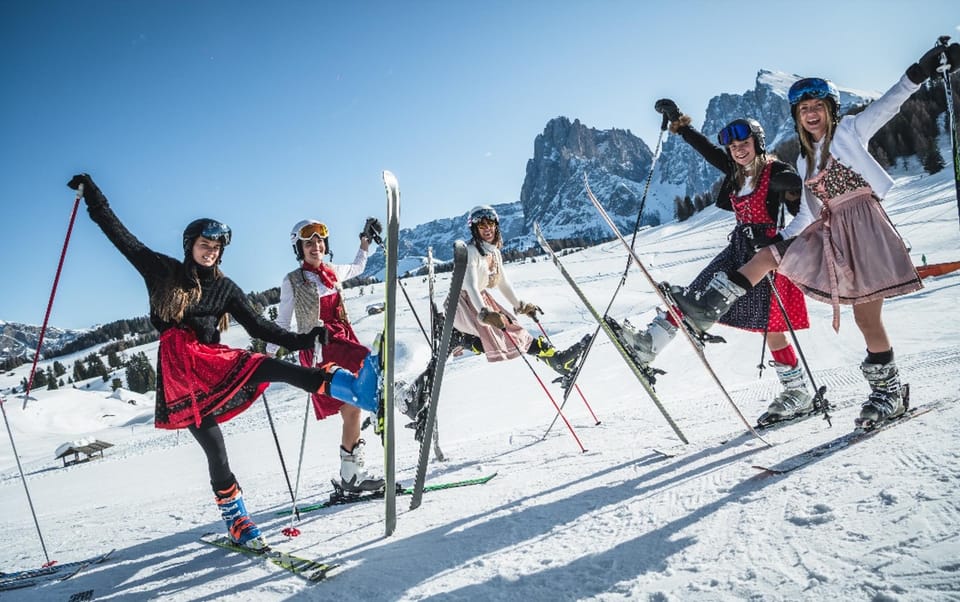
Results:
<point x="349" y="270"/>
<point x="783" y="179"/>
<point x="284" y="311"/>
<point x="150" y="264"/>
<point x="259" y="327"/>
<point x="717" y="157"/>
<point x="476" y="271"/>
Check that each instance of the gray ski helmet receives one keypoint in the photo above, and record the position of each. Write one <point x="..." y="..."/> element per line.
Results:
<point x="482" y="212"/>
<point x="305" y="229"/>
<point x="207" y="228"/>
<point x="741" y="129"/>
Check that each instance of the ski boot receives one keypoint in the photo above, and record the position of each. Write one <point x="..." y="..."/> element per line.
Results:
<point x="703" y="310"/>
<point x="361" y="390"/>
<point x="411" y="398"/>
<point x="648" y="343"/>
<point x="233" y="511"/>
<point x="794" y="401"/>
<point x="888" y="398"/>
<point x="562" y="362"/>
<point x="353" y="476"/>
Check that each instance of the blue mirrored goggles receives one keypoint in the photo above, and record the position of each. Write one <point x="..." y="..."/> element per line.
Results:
<point x="738" y="130"/>
<point x="811" y="87"/>
<point x="216" y="231"/>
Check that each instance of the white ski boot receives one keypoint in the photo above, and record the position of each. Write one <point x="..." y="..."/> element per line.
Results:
<point x="795" y="399"/>
<point x="353" y="476"/>
<point x="648" y="343"/>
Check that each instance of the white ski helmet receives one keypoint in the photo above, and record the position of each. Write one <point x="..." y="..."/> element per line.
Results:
<point x="305" y="229"/>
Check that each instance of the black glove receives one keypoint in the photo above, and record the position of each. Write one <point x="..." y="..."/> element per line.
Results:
<point x="785" y="181"/>
<point x="372" y="229"/>
<point x="927" y="66"/>
<point x="667" y="108"/>
<point x="318" y="334"/>
<point x="88" y="186"/>
<point x="756" y="236"/>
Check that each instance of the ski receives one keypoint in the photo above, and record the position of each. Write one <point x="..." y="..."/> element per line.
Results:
<point x="340" y="499"/>
<point x="944" y="70"/>
<point x="58" y="572"/>
<point x="439" y="361"/>
<point x="644" y="373"/>
<point x="310" y="570"/>
<point x="387" y="349"/>
<point x="844" y="441"/>
<point x="668" y="304"/>
<point x="436" y="328"/>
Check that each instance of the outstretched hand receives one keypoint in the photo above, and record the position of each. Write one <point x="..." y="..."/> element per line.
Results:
<point x="529" y="309"/>
<point x="372" y="229"/>
<point x="492" y="318"/>
<point x="82" y="180"/>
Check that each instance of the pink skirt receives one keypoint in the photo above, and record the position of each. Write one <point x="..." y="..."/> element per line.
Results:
<point x="497" y="346"/>
<point x="852" y="254"/>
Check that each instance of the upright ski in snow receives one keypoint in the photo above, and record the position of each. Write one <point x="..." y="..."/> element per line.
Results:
<point x="436" y="330"/>
<point x="440" y="355"/>
<point x="388" y="348"/>
<point x="669" y="305"/>
<point x="645" y="374"/>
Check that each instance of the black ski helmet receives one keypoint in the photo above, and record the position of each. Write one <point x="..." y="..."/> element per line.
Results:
<point x="306" y="229"/>
<point x="741" y="129"/>
<point x="207" y="228"/>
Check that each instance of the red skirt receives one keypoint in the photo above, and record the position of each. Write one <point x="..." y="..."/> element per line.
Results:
<point x="198" y="379"/>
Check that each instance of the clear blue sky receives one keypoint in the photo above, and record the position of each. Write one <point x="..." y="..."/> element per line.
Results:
<point x="264" y="113"/>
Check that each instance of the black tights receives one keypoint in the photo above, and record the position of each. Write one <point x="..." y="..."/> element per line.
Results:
<point x="209" y="435"/>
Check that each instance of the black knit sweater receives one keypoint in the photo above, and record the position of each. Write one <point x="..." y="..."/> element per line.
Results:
<point x="218" y="295"/>
<point x="780" y="172"/>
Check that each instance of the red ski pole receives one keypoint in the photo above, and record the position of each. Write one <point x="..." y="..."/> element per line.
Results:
<point x="53" y="293"/>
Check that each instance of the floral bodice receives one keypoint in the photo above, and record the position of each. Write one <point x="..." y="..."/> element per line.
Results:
<point x="834" y="180"/>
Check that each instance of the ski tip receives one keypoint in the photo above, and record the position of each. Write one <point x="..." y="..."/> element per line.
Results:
<point x="388" y="177"/>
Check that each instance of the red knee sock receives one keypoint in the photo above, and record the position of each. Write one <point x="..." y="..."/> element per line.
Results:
<point x="785" y="356"/>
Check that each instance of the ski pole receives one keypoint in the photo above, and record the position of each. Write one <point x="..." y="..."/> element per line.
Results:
<point x="415" y="315"/>
<point x="23" y="479"/>
<point x="53" y="293"/>
<point x="819" y="398"/>
<point x="944" y="70"/>
<point x="544" y="387"/>
<point x="276" y="440"/>
<point x="596" y="421"/>
<point x="292" y="531"/>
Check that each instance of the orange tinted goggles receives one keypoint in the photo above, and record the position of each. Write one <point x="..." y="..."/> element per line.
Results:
<point x="310" y="230"/>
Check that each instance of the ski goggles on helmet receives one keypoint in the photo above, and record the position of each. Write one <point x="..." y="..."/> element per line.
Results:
<point x="811" y="87"/>
<point x="213" y="230"/>
<point x="734" y="131"/>
<point x="310" y="230"/>
<point x="484" y="215"/>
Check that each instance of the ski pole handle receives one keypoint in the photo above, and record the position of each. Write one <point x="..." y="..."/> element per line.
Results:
<point x="944" y="68"/>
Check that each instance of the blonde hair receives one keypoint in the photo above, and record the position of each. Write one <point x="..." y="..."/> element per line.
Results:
<point x="754" y="168"/>
<point x="807" y="144"/>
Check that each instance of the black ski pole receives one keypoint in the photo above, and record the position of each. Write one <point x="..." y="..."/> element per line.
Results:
<point x="283" y="464"/>
<point x="819" y="399"/>
<point x="944" y="70"/>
